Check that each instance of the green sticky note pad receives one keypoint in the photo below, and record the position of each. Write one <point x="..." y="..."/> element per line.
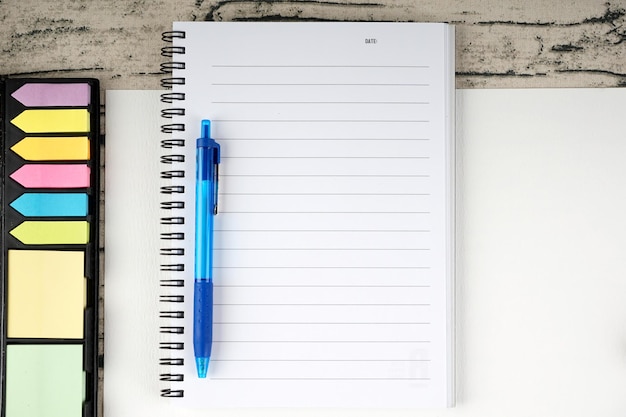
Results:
<point x="44" y="381"/>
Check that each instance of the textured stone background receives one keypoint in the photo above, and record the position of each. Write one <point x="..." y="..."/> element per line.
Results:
<point x="500" y="43"/>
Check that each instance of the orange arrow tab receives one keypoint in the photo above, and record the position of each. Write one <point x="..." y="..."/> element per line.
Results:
<point x="53" y="149"/>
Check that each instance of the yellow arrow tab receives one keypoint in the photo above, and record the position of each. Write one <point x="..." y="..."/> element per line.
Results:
<point x="53" y="149"/>
<point x="53" y="121"/>
<point x="52" y="233"/>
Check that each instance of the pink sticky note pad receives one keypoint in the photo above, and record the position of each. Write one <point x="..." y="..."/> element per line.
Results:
<point x="53" y="94"/>
<point x="53" y="176"/>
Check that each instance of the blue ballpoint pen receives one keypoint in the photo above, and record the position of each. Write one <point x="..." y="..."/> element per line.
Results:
<point x="207" y="171"/>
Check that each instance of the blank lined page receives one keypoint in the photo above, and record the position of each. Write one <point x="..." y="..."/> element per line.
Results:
<point x="333" y="241"/>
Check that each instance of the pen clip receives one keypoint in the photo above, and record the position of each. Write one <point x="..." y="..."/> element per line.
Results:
<point x="216" y="175"/>
<point x="213" y="149"/>
<point x="216" y="169"/>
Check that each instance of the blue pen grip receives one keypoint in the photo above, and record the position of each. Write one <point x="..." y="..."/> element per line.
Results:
<point x="202" y="318"/>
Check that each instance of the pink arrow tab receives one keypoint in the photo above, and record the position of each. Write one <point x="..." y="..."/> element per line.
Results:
<point x="52" y="176"/>
<point x="53" y="94"/>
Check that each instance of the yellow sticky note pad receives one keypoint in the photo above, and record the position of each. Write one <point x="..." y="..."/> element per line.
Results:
<point x="46" y="294"/>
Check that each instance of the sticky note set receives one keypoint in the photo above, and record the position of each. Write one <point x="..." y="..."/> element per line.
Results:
<point x="50" y="206"/>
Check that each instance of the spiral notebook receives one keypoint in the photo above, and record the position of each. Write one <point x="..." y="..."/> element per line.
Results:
<point x="334" y="238"/>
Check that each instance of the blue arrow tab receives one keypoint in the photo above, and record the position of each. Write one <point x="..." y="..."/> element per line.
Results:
<point x="51" y="204"/>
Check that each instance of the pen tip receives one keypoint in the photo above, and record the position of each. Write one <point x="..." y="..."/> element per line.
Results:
<point x="202" y="365"/>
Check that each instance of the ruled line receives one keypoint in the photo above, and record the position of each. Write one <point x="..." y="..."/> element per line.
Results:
<point x="326" y="157"/>
<point x="326" y="305"/>
<point x="322" y="139"/>
<point x="332" y="194"/>
<point x="321" y="341"/>
<point x="323" y="249"/>
<point x="321" y="360"/>
<point x="324" y="176"/>
<point x="327" y="102"/>
<point x="320" y="286"/>
<point x="315" y="379"/>
<point x="324" y="212"/>
<point x="323" y="267"/>
<point x="323" y="84"/>
<point x="319" y="66"/>
<point x="316" y="121"/>
<point x="320" y="324"/>
<point x="324" y="231"/>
